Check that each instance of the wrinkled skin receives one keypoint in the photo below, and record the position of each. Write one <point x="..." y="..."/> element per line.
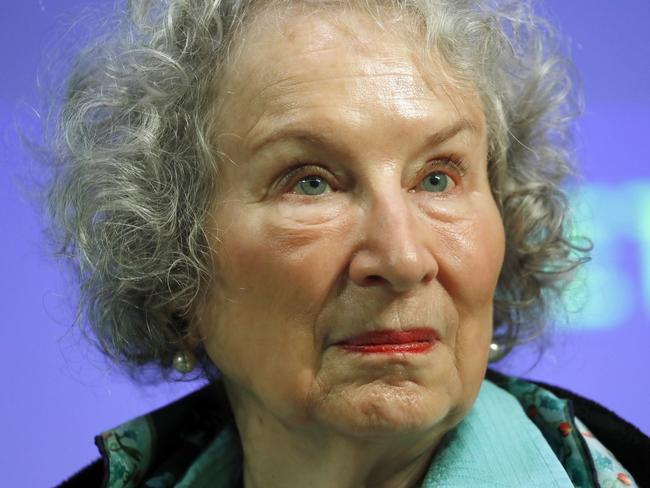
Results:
<point x="361" y="240"/>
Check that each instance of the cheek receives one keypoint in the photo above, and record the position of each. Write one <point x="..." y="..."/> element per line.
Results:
<point x="470" y="276"/>
<point x="274" y="277"/>
<point x="283" y="264"/>
<point x="472" y="260"/>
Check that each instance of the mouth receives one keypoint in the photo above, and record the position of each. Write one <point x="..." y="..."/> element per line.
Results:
<point x="391" y="341"/>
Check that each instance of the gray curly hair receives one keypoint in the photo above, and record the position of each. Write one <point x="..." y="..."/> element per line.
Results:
<point x="134" y="163"/>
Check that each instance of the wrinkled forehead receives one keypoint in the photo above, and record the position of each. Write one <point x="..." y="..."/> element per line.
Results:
<point x="313" y="26"/>
<point x="274" y="37"/>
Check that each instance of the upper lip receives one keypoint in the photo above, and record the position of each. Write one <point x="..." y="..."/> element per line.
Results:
<point x="392" y="336"/>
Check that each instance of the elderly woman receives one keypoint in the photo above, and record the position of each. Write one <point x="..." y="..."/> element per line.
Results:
<point x="337" y="212"/>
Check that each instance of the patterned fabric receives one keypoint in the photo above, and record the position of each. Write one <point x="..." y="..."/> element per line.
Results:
<point x="587" y="462"/>
<point x="609" y="471"/>
<point x="129" y="448"/>
<point x="186" y="445"/>
<point x="157" y="449"/>
<point x="553" y="418"/>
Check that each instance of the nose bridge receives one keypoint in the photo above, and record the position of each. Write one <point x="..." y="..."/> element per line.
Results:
<point x="389" y="214"/>
<point x="394" y="243"/>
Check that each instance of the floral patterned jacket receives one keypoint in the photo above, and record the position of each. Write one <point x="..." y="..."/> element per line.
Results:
<point x="158" y="449"/>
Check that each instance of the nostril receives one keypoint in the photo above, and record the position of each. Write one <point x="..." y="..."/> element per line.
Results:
<point x="372" y="279"/>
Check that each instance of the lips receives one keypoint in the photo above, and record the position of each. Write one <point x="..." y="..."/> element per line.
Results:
<point x="392" y="341"/>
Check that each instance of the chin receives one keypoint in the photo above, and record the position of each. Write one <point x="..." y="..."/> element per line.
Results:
<point x="380" y="409"/>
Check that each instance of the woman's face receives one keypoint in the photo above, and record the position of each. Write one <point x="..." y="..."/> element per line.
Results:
<point x="356" y="241"/>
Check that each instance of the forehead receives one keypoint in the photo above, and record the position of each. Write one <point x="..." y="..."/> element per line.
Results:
<point x="295" y="59"/>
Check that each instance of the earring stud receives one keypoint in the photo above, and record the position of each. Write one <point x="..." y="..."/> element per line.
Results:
<point x="497" y="351"/>
<point x="184" y="362"/>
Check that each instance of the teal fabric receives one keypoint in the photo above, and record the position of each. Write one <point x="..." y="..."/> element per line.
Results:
<point x="226" y="473"/>
<point x="496" y="445"/>
<point x="554" y="419"/>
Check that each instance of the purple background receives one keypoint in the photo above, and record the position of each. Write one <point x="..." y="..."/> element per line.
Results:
<point x="57" y="392"/>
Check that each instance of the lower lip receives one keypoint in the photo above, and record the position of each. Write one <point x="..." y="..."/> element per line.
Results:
<point x="413" y="341"/>
<point x="409" y="347"/>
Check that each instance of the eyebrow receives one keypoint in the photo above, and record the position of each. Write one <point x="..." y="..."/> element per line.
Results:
<point x="450" y="131"/>
<point x="314" y="138"/>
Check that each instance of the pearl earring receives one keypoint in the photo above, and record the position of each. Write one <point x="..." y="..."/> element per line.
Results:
<point x="184" y="362"/>
<point x="497" y="351"/>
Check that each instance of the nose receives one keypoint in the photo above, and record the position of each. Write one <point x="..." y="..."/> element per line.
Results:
<point x="394" y="248"/>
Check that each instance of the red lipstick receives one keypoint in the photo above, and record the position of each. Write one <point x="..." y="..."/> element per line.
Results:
<point x="392" y="341"/>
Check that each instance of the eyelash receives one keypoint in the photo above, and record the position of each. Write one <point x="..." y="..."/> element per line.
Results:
<point x="301" y="169"/>
<point x="306" y="168"/>
<point x="456" y="164"/>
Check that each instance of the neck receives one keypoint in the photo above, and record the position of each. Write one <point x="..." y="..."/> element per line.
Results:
<point x="276" y="455"/>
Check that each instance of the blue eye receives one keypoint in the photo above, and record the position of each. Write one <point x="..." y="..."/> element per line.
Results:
<point x="437" y="182"/>
<point x="312" y="185"/>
